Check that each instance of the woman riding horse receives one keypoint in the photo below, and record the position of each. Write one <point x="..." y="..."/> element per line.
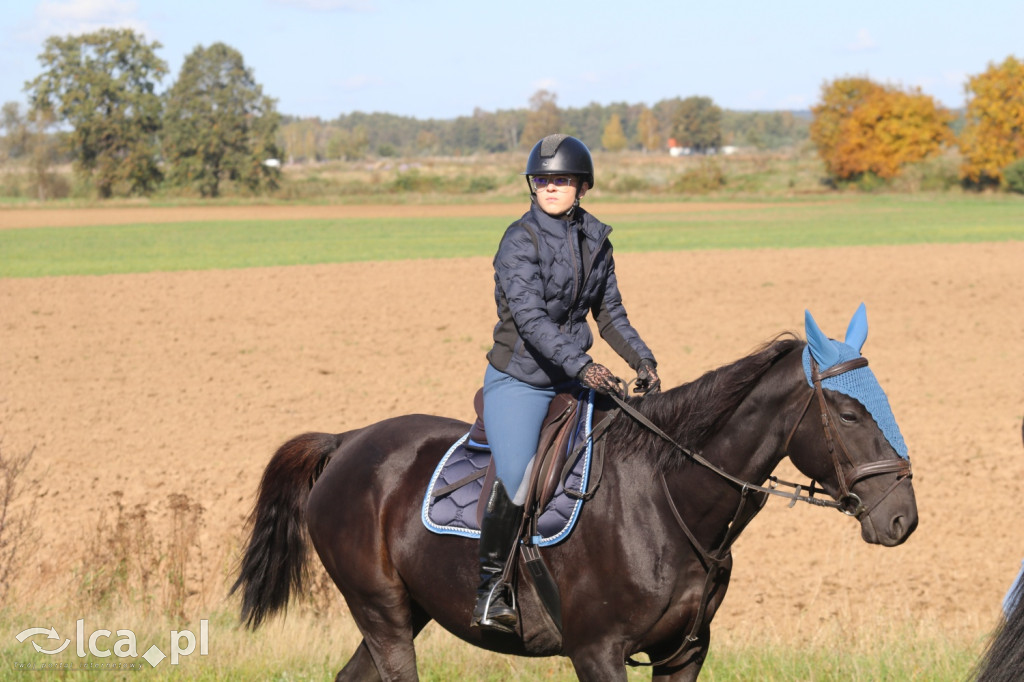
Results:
<point x="553" y="265"/>
<point x="648" y="563"/>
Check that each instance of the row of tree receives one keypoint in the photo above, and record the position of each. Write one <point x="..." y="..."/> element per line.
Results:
<point x="694" y="122"/>
<point x="96" y="104"/>
<point x="213" y="126"/>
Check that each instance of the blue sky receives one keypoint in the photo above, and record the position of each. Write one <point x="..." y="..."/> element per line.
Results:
<point x="443" y="58"/>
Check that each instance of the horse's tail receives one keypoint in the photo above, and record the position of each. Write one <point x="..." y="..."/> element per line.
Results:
<point x="275" y="561"/>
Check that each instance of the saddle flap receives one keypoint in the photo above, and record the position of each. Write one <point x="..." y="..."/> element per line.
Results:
<point x="477" y="433"/>
<point x="556" y="434"/>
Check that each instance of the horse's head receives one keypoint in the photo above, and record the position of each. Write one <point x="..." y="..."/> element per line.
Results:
<point x="846" y="437"/>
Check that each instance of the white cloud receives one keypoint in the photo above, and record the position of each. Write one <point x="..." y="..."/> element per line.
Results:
<point x="863" y="42"/>
<point x="74" y="17"/>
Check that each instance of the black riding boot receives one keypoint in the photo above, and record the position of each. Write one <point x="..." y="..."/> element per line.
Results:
<point x="497" y="535"/>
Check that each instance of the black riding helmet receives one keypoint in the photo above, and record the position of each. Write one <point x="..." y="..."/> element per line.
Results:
<point x="560" y="155"/>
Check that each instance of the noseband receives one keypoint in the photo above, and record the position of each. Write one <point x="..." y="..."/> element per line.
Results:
<point x="848" y="502"/>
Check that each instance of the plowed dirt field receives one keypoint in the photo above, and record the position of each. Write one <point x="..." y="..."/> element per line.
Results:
<point x="133" y="388"/>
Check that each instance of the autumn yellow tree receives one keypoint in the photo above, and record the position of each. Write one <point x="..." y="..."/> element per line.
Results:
<point x="614" y="139"/>
<point x="889" y="130"/>
<point x="862" y="127"/>
<point x="647" y="130"/>
<point x="993" y="134"/>
<point x="543" y="118"/>
<point x="839" y="99"/>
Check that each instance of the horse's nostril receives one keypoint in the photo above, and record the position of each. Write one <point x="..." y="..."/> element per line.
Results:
<point x="896" y="528"/>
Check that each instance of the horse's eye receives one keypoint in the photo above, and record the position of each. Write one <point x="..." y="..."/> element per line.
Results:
<point x="848" y="417"/>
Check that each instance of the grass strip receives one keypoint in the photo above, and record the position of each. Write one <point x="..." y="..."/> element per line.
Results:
<point x="302" y="647"/>
<point x="97" y="250"/>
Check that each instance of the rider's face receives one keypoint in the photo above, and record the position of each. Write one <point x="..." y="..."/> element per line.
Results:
<point x="556" y="197"/>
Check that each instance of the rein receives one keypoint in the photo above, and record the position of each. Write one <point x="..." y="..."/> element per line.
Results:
<point x="848" y="502"/>
<point x="772" y="488"/>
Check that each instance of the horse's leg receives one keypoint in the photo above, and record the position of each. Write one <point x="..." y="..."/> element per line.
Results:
<point x="687" y="673"/>
<point x="599" y="663"/>
<point x="688" y="666"/>
<point x="386" y="624"/>
<point x="363" y="520"/>
<point x="602" y="662"/>
<point x="377" y="600"/>
<point x="360" y="668"/>
<point x="363" y="664"/>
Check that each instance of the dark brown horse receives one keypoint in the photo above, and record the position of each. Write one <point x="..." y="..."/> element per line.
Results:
<point x="648" y="563"/>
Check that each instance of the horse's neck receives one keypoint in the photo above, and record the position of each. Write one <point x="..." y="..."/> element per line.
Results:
<point x="751" y="443"/>
<point x="748" y="447"/>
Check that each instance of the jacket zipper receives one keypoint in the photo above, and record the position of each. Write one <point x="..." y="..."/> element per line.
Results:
<point x="573" y="237"/>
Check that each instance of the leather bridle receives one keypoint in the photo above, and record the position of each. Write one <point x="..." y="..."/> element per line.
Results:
<point x="848" y="501"/>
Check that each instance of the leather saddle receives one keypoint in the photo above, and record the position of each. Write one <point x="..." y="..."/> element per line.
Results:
<point x="552" y="454"/>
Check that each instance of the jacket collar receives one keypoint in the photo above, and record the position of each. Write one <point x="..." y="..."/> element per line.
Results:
<point x="593" y="228"/>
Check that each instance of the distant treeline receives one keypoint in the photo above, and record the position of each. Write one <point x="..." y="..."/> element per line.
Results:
<point x="357" y="135"/>
<point x="215" y="132"/>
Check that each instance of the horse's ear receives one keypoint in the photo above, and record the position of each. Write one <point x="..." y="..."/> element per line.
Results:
<point x="857" y="332"/>
<point x="822" y="350"/>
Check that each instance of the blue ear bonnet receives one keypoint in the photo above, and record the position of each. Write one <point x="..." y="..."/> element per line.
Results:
<point x="860" y="384"/>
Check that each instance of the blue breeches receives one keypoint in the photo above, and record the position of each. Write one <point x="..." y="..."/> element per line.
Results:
<point x="513" y="414"/>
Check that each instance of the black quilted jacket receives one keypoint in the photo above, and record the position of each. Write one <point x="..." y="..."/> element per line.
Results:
<point x="548" y="274"/>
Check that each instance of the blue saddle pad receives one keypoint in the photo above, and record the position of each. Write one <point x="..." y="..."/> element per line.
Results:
<point x="455" y="512"/>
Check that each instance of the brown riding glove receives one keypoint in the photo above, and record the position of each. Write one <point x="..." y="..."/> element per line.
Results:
<point x="647" y="380"/>
<point x="599" y="378"/>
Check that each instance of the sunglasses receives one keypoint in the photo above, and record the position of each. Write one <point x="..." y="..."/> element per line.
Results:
<point x="542" y="181"/>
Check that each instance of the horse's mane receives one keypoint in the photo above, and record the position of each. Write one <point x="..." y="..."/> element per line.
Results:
<point x="692" y="413"/>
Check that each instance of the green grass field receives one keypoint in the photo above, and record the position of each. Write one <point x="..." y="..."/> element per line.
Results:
<point x="873" y="220"/>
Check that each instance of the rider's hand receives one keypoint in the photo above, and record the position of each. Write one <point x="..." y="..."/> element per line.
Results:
<point x="647" y="380"/>
<point x="599" y="378"/>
